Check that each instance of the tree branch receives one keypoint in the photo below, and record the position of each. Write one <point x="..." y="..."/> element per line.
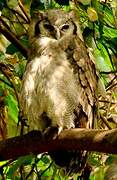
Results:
<point x="73" y="139"/>
<point x="11" y="37"/>
<point x="24" y="11"/>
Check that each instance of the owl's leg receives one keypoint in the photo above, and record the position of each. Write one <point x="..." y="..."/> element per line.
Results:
<point x="51" y="130"/>
<point x="51" y="133"/>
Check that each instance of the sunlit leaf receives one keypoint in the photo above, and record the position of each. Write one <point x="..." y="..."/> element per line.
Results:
<point x="92" y="14"/>
<point x="102" y="58"/>
<point x="12" y="3"/>
<point x="12" y="107"/>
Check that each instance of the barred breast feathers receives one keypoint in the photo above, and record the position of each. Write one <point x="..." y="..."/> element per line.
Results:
<point x="49" y="86"/>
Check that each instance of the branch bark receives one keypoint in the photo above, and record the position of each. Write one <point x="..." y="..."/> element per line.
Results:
<point x="73" y="139"/>
<point x="11" y="37"/>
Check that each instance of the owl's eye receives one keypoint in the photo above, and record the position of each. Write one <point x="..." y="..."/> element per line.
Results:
<point x="65" y="27"/>
<point x="49" y="27"/>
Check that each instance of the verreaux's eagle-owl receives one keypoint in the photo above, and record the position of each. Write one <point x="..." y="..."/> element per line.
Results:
<point x="59" y="84"/>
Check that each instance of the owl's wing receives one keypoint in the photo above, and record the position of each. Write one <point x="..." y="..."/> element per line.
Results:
<point x="87" y="79"/>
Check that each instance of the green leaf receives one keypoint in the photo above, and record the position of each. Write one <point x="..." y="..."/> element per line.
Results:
<point x="111" y="159"/>
<point x="36" y="5"/>
<point x="12" y="3"/>
<point x="45" y="159"/>
<point x="11" y="49"/>
<point x="93" y="159"/>
<point x="24" y="41"/>
<point x="19" y="68"/>
<point x="102" y="58"/>
<point x="99" y="174"/>
<point x="48" y="172"/>
<point x="12" y="107"/>
<point x="2" y="56"/>
<point x="1" y="90"/>
<point x="25" y="160"/>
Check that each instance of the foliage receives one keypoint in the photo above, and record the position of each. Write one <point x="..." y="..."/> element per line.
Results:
<point x="98" y="19"/>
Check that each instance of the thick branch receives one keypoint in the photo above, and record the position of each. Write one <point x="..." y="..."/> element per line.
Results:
<point x="77" y="139"/>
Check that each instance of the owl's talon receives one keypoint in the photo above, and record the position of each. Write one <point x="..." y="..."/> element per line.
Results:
<point x="60" y="129"/>
<point x="51" y="133"/>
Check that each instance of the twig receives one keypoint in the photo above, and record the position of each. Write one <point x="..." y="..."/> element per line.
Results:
<point x="109" y="84"/>
<point x="20" y="22"/>
<point x="2" y="80"/>
<point x="16" y="12"/>
<point x="105" y="122"/>
<point x="108" y="72"/>
<point x="24" y="11"/>
<point x="110" y="87"/>
<point x="46" y="169"/>
<point x="105" y="101"/>
<point x="4" y="23"/>
<point x="33" y="165"/>
<point x="7" y="163"/>
<point x="7" y="73"/>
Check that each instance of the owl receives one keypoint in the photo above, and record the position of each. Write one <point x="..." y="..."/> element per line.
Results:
<point x="60" y="81"/>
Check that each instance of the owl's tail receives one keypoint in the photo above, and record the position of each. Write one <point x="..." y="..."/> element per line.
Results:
<point x="72" y="162"/>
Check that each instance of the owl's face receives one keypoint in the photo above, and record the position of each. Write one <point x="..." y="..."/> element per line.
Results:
<point x="54" y="26"/>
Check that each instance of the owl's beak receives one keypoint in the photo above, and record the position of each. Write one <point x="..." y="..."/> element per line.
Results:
<point x="57" y="33"/>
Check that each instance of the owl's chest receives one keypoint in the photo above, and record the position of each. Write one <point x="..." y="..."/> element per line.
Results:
<point x="44" y="72"/>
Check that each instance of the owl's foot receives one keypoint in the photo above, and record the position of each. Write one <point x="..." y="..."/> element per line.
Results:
<point x="52" y="132"/>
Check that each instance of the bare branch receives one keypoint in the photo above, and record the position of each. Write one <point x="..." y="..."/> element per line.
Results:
<point x="73" y="139"/>
<point x="24" y="11"/>
<point x="11" y="37"/>
<point x="105" y="121"/>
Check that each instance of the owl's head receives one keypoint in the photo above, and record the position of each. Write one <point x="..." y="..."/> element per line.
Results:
<point x="54" y="24"/>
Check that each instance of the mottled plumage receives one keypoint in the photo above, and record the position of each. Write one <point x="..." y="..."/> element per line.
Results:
<point x="49" y="86"/>
<point x="60" y="79"/>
